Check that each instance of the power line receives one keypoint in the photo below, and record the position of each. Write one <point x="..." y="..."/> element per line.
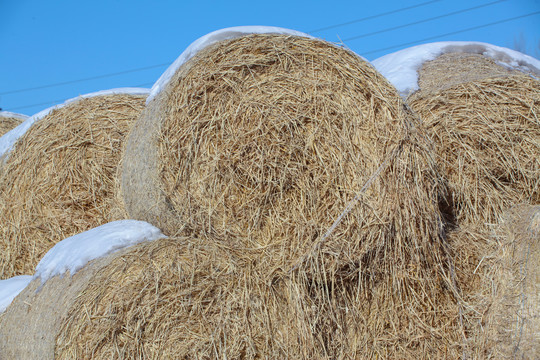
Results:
<point x="450" y="33"/>
<point x="372" y="17"/>
<point x="423" y="21"/>
<point x="159" y="65"/>
<point x="348" y="39"/>
<point x="317" y="30"/>
<point x="85" y="79"/>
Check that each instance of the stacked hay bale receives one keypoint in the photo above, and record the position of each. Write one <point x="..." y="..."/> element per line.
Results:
<point x="259" y="144"/>
<point x="482" y="115"/>
<point x="503" y="303"/>
<point x="60" y="177"/>
<point x="9" y="120"/>
<point x="484" y="121"/>
<point x="170" y="298"/>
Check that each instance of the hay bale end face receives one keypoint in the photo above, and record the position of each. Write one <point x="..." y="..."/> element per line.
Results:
<point x="515" y="317"/>
<point x="60" y="178"/>
<point x="483" y="119"/>
<point x="502" y="293"/>
<point x="268" y="138"/>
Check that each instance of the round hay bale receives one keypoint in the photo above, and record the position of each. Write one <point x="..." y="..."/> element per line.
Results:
<point x="483" y="119"/>
<point x="260" y="143"/>
<point x="60" y="177"/>
<point x="174" y="298"/>
<point x="268" y="138"/>
<point x="499" y="274"/>
<point x="9" y="121"/>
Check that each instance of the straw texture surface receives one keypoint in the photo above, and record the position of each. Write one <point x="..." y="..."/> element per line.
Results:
<point x="7" y="123"/>
<point x="60" y="178"/>
<point x="486" y="130"/>
<point x="30" y="325"/>
<point x="260" y="143"/>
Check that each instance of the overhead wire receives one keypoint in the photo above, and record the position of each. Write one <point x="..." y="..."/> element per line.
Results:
<point x="447" y="34"/>
<point x="371" y="17"/>
<point x="423" y="20"/>
<point x="312" y="31"/>
<point x="84" y="79"/>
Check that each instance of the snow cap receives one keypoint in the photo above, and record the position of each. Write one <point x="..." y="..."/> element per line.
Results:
<point x="401" y="68"/>
<point x="74" y="252"/>
<point x="10" y="288"/>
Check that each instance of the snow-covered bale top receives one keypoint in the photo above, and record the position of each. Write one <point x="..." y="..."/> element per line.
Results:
<point x="9" y="139"/>
<point x="10" y="288"/>
<point x="76" y="251"/>
<point x="8" y="114"/>
<point x="401" y="68"/>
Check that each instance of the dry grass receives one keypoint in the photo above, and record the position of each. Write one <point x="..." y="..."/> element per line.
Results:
<point x="500" y="273"/>
<point x="260" y="143"/>
<point x="60" y="178"/>
<point x="484" y="122"/>
<point x="514" y="319"/>
<point x="453" y="69"/>
<point x="8" y="123"/>
<point x="179" y="299"/>
<point x="487" y="137"/>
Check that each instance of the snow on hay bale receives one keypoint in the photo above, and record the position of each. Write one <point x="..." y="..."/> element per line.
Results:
<point x="31" y="323"/>
<point x="9" y="120"/>
<point x="59" y="179"/>
<point x="261" y="142"/>
<point x="168" y="298"/>
<point x="480" y="103"/>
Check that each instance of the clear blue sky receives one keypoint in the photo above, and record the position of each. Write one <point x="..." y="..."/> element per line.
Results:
<point x="46" y="42"/>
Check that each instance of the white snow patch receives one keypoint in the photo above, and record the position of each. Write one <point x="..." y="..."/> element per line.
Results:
<point x="8" y="114"/>
<point x="401" y="68"/>
<point x="10" y="288"/>
<point x="211" y="38"/>
<point x="10" y="138"/>
<point x="74" y="252"/>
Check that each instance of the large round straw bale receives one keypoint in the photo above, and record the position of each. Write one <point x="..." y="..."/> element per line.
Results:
<point x="9" y="121"/>
<point x="60" y="177"/>
<point x="268" y="138"/>
<point x="178" y="299"/>
<point x="484" y="122"/>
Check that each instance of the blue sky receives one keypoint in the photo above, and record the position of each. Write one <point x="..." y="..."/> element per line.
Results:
<point x="46" y="43"/>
